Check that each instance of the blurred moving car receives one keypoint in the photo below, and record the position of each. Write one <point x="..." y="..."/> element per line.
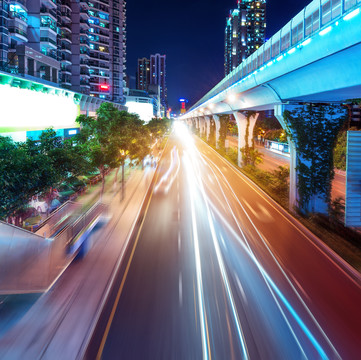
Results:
<point x="39" y="203"/>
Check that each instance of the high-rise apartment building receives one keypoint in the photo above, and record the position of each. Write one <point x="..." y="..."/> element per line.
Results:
<point x="78" y="44"/>
<point x="143" y="74"/>
<point x="151" y="77"/>
<point x="245" y="32"/>
<point x="255" y="22"/>
<point x="158" y="76"/>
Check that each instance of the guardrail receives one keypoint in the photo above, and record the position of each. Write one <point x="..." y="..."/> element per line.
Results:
<point x="31" y="263"/>
<point x="315" y="18"/>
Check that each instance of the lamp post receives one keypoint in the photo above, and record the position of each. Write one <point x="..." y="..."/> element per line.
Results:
<point x="123" y="154"/>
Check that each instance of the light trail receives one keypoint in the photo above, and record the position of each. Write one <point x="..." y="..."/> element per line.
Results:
<point x="274" y="258"/>
<point x="241" y="337"/>
<point x="202" y="316"/>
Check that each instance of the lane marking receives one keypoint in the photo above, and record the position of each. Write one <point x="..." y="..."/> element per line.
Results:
<point x="179" y="241"/>
<point x="180" y="289"/>
<point x="305" y="232"/>
<point x="268" y="283"/>
<point x="263" y="216"/>
<point x="120" y="290"/>
<point x="201" y="305"/>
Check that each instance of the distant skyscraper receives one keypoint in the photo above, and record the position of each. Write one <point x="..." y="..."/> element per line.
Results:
<point x="158" y="76"/>
<point x="255" y="22"/>
<point x="143" y="74"/>
<point x="245" y="32"/>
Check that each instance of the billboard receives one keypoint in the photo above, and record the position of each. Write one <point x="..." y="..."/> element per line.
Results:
<point x="30" y="110"/>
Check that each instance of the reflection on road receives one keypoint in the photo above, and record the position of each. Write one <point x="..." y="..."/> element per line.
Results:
<point x="219" y="272"/>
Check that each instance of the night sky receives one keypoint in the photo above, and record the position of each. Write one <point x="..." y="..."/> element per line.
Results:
<point x="191" y="34"/>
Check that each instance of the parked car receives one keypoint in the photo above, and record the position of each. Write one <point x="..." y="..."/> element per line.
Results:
<point x="76" y="183"/>
<point x="39" y="203"/>
<point x="90" y="176"/>
<point x="65" y="192"/>
<point x="33" y="219"/>
<point x="55" y="203"/>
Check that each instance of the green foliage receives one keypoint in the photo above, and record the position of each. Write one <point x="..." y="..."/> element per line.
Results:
<point x="232" y="128"/>
<point x="278" y="135"/>
<point x="33" y="167"/>
<point x="158" y="127"/>
<point x="337" y="210"/>
<point x="274" y="183"/>
<point x="251" y="156"/>
<point x="314" y="130"/>
<point x="280" y="179"/>
<point x="339" y="152"/>
<point x="113" y="136"/>
<point x="224" y="125"/>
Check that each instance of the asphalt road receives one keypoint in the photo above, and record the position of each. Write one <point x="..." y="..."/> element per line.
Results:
<point x="218" y="271"/>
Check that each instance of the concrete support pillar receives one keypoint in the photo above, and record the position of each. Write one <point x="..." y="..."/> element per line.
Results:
<point x="218" y="127"/>
<point x="31" y="67"/>
<point x="47" y="73"/>
<point x="311" y="165"/>
<point x="208" y="126"/>
<point x="293" y="195"/>
<point x="54" y="75"/>
<point x="201" y="126"/>
<point x="241" y="121"/>
<point x="197" y="126"/>
<point x="252" y="121"/>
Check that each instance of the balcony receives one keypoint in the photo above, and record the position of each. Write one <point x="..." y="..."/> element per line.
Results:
<point x="17" y="33"/>
<point x="48" y="12"/>
<point x="65" y="27"/>
<point x="22" y="16"/>
<point x="48" y="26"/>
<point x="84" y="24"/>
<point x="65" y="48"/>
<point x="84" y="63"/>
<point x="21" y="2"/>
<point x="48" y="41"/>
<point x="49" y="3"/>
<point x="65" y="37"/>
<point x="84" y="4"/>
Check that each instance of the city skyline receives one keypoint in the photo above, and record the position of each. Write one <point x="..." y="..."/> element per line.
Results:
<point x="192" y="41"/>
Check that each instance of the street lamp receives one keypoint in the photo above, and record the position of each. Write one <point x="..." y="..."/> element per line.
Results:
<point x="123" y="155"/>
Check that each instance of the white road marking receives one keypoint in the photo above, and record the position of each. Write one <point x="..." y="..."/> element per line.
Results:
<point x="179" y="241"/>
<point x="180" y="288"/>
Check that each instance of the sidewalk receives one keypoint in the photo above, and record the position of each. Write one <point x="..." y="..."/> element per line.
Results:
<point x="59" y="323"/>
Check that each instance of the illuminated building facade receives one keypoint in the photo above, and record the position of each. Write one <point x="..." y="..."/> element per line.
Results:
<point x="143" y="74"/>
<point x="255" y="22"/>
<point x="79" y="45"/>
<point x="158" y="76"/>
<point x="244" y="33"/>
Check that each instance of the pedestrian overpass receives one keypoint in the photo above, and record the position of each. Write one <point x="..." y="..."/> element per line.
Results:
<point x="314" y="58"/>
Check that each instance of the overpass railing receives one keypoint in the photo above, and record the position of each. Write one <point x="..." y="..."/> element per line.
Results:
<point x="315" y="18"/>
<point x="30" y="263"/>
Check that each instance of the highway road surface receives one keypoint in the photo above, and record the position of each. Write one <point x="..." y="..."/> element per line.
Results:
<point x="217" y="270"/>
